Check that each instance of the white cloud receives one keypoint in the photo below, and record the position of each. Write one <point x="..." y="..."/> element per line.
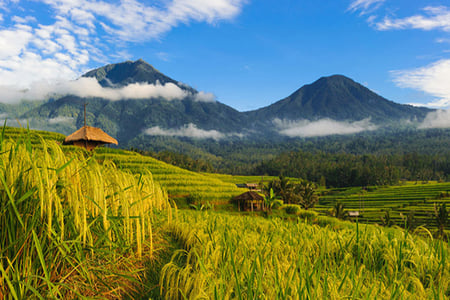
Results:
<point x="433" y="79"/>
<point x="60" y="119"/>
<point x="204" y="97"/>
<point x="86" y="30"/>
<point x="189" y="130"/>
<point x="323" y="127"/>
<point x="134" y="20"/>
<point x="26" y="19"/>
<point x="436" y="119"/>
<point x="89" y="87"/>
<point x="435" y="17"/>
<point x="365" y="6"/>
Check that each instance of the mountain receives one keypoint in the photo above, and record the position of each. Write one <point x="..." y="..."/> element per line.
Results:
<point x="339" y="98"/>
<point x="139" y="71"/>
<point x="125" y="119"/>
<point x="335" y="97"/>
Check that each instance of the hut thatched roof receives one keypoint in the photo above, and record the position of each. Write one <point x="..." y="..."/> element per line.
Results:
<point x="250" y="195"/>
<point x="94" y="134"/>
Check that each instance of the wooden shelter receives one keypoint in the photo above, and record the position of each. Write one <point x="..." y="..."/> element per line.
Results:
<point x="89" y="138"/>
<point x="249" y="201"/>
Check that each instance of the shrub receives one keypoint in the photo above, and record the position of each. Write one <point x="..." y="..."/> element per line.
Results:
<point x="291" y="209"/>
<point x="277" y="204"/>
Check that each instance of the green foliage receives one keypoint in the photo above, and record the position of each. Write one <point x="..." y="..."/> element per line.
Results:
<point x="306" y="194"/>
<point x="339" y="210"/>
<point x="372" y="202"/>
<point x="386" y="219"/>
<point x="441" y="215"/>
<point x="269" y="200"/>
<point x="291" y="208"/>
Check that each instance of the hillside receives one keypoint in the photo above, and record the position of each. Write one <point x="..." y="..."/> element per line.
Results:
<point x="179" y="184"/>
<point x="339" y="98"/>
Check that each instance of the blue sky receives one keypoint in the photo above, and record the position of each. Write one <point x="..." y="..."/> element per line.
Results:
<point x="248" y="53"/>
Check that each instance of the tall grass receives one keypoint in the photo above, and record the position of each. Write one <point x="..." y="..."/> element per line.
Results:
<point x="238" y="257"/>
<point x="65" y="217"/>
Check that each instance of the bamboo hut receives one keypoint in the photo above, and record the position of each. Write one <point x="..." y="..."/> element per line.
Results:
<point x="250" y="201"/>
<point x="89" y="138"/>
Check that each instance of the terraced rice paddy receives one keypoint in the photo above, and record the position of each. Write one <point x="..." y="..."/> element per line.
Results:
<point x="178" y="182"/>
<point x="373" y="202"/>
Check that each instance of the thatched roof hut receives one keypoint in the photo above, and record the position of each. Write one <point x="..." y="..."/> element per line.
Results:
<point x="250" y="201"/>
<point x="89" y="138"/>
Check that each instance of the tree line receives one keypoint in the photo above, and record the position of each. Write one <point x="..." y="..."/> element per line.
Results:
<point x="343" y="169"/>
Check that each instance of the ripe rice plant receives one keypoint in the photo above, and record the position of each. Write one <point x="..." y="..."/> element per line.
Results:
<point x="68" y="221"/>
<point x="178" y="182"/>
<point x="243" y="257"/>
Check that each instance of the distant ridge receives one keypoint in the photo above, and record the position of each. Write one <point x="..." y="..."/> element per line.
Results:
<point x="334" y="97"/>
<point x="339" y="98"/>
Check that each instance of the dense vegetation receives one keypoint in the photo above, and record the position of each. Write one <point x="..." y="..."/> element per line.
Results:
<point x="98" y="225"/>
<point x="242" y="257"/>
<point x="341" y="170"/>
<point x="68" y="222"/>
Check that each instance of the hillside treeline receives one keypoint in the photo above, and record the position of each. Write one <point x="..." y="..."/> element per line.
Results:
<point x="341" y="170"/>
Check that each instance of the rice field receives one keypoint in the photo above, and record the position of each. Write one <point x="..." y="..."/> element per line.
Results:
<point x="179" y="183"/>
<point x="100" y="226"/>
<point x="220" y="256"/>
<point x="399" y="201"/>
<point x="67" y="222"/>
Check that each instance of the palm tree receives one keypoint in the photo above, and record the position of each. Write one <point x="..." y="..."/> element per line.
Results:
<point x="281" y="188"/>
<point x="441" y="217"/>
<point x="339" y="210"/>
<point x="386" y="220"/>
<point x="269" y="200"/>
<point x="305" y="192"/>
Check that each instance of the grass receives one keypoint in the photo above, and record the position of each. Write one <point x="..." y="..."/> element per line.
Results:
<point x="68" y="222"/>
<point x="246" y="257"/>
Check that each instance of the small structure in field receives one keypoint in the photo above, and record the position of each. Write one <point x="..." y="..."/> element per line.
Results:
<point x="249" y="201"/>
<point x="353" y="214"/>
<point x="89" y="138"/>
<point x="250" y="186"/>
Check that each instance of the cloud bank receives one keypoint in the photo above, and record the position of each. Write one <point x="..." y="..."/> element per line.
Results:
<point x="60" y="120"/>
<point x="436" y="119"/>
<point x="190" y="130"/>
<point x="89" y="87"/>
<point x="323" y="127"/>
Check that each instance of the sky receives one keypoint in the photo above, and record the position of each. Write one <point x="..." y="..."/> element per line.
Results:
<point x="247" y="53"/>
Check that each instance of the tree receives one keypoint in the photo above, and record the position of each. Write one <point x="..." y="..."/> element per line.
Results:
<point x="339" y="210"/>
<point x="282" y="188"/>
<point x="386" y="220"/>
<point x="441" y="217"/>
<point x="306" y="196"/>
<point x="269" y="200"/>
